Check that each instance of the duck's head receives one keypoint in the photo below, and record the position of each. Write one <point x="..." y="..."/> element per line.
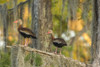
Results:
<point x="19" y="21"/>
<point x="50" y="32"/>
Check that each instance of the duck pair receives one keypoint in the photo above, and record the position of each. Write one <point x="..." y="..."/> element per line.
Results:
<point x="27" y="33"/>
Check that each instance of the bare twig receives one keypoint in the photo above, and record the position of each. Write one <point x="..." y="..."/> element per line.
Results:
<point x="22" y="3"/>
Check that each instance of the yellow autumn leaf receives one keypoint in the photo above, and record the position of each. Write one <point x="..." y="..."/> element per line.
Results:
<point x="86" y="54"/>
<point x="79" y="25"/>
<point x="19" y="1"/>
<point x="75" y="53"/>
<point x="66" y="53"/>
<point x="10" y="38"/>
<point x="79" y="13"/>
<point x="25" y="15"/>
<point x="81" y="1"/>
<point x="87" y="38"/>
<point x="82" y="59"/>
<point x="74" y="56"/>
<point x="76" y="25"/>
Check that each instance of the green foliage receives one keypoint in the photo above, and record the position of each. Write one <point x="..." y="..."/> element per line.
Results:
<point x="69" y="48"/>
<point x="38" y="60"/>
<point x="3" y="1"/>
<point x="57" y="13"/>
<point x="67" y="51"/>
<point x="5" y="60"/>
<point x="27" y="57"/>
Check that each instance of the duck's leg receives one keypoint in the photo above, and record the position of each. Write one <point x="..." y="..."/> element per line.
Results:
<point x="60" y="51"/>
<point x="56" y="50"/>
<point x="25" y="42"/>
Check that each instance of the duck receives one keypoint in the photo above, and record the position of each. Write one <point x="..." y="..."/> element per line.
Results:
<point x="25" y="32"/>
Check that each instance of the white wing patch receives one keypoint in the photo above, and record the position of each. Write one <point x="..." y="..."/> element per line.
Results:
<point x="25" y="32"/>
<point x="56" y="41"/>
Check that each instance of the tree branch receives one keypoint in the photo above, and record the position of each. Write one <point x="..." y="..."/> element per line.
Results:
<point x="22" y="3"/>
<point x="47" y="57"/>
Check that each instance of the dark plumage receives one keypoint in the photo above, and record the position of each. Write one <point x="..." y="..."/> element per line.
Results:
<point x="25" y="32"/>
<point x="58" y="42"/>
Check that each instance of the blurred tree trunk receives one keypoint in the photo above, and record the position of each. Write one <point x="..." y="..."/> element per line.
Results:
<point x="15" y="13"/>
<point x="21" y="8"/>
<point x="5" y="24"/>
<point x="96" y="34"/>
<point x="41" y="23"/>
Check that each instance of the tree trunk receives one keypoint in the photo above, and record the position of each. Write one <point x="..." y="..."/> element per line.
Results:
<point x="20" y="38"/>
<point x="41" y="23"/>
<point x="15" y="13"/>
<point x="96" y="34"/>
<point x="5" y="24"/>
<point x="14" y="53"/>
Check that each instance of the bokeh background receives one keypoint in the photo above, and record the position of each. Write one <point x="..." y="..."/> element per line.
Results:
<point x="71" y="21"/>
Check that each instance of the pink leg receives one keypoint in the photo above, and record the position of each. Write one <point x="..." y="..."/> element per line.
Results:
<point x="56" y="51"/>
<point x="60" y="51"/>
<point x="25" y="42"/>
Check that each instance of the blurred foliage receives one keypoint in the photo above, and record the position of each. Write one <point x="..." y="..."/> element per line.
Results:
<point x="33" y="58"/>
<point x="38" y="60"/>
<point x="3" y="1"/>
<point x="28" y="57"/>
<point x="76" y="25"/>
<point x="59" y="17"/>
<point x="10" y="2"/>
<point x="63" y="22"/>
<point x="80" y="48"/>
<point x="5" y="60"/>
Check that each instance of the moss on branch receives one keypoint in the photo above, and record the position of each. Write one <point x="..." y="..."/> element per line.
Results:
<point x="42" y="58"/>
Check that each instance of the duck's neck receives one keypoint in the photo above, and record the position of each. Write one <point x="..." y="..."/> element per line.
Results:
<point x="52" y="36"/>
<point x="20" y="26"/>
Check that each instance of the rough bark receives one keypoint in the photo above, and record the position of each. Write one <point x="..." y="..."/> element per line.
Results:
<point x="96" y="34"/>
<point x="0" y="12"/>
<point x="5" y="24"/>
<point x="14" y="53"/>
<point x="15" y="13"/>
<point x="41" y="59"/>
<point x="21" y="12"/>
<point x="41" y="23"/>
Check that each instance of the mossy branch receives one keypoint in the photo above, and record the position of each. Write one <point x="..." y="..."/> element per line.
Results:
<point x="53" y="57"/>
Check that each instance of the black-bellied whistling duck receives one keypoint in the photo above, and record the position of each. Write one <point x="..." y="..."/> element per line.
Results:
<point x="58" y="42"/>
<point x="25" y="32"/>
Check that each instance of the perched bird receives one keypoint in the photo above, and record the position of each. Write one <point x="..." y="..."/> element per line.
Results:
<point x="58" y="42"/>
<point x="25" y="32"/>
